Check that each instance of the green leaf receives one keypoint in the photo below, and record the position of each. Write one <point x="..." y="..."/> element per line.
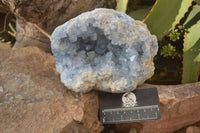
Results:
<point x="197" y="1"/>
<point x="191" y="57"/>
<point x="165" y="15"/>
<point x="193" y="17"/>
<point x="122" y="5"/>
<point x="141" y="12"/>
<point x="197" y="58"/>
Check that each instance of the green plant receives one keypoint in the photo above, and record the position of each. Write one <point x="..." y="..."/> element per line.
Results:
<point x="122" y="5"/>
<point x="8" y="31"/>
<point x="191" y="51"/>
<point x="137" y="9"/>
<point x="168" y="51"/>
<point x="165" y="15"/>
<point x="174" y="35"/>
<point x="177" y="33"/>
<point x="42" y="31"/>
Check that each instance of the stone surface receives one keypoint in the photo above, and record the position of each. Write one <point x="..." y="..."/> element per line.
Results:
<point x="104" y="50"/>
<point x="193" y="129"/>
<point x="183" y="130"/>
<point x="5" y="46"/>
<point x="180" y="107"/>
<point x="33" y="100"/>
<point x="47" y="15"/>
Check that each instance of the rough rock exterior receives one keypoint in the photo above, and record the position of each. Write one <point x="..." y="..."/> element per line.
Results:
<point x="105" y="50"/>
<point x="194" y="128"/>
<point x="33" y="100"/>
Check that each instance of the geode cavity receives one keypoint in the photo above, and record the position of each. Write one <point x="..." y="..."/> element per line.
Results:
<point x="104" y="50"/>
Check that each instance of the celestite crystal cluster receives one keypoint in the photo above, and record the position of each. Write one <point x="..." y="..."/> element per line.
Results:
<point x="103" y="50"/>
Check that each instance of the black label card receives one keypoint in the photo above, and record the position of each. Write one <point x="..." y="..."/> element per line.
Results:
<point x="138" y="105"/>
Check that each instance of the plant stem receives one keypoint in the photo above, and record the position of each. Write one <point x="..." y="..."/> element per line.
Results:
<point x="42" y="31"/>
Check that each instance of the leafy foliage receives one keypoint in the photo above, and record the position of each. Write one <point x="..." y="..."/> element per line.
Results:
<point x="174" y="35"/>
<point x="168" y="51"/>
<point x="177" y="33"/>
<point x="8" y="32"/>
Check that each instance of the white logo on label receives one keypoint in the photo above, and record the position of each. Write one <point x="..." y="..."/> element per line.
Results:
<point x="129" y="99"/>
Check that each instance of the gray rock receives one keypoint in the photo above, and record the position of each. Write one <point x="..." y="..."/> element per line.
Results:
<point x="104" y="50"/>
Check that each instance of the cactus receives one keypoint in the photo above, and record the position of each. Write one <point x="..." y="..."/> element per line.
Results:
<point x="197" y="1"/>
<point x="168" y="20"/>
<point x="141" y="12"/>
<point x="165" y="14"/>
<point x="191" y="51"/>
<point x="122" y="5"/>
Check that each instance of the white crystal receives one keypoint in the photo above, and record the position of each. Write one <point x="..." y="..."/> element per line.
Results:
<point x="104" y="50"/>
<point x="132" y="58"/>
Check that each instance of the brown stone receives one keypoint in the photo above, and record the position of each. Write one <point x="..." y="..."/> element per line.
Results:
<point x="180" y="107"/>
<point x="193" y="129"/>
<point x="183" y="130"/>
<point x="47" y="15"/>
<point x="33" y="100"/>
<point x="5" y="46"/>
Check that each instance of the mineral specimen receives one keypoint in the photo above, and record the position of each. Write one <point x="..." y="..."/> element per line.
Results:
<point x="103" y="50"/>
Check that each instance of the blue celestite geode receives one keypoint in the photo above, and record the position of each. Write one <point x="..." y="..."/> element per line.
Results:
<point x="103" y="50"/>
